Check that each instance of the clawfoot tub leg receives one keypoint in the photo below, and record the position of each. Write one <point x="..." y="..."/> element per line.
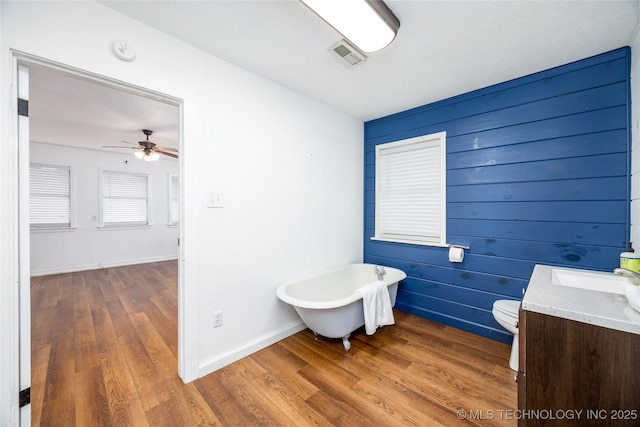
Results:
<point x="345" y="342"/>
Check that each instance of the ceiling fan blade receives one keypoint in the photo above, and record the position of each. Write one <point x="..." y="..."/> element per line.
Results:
<point x="166" y="154"/>
<point x="120" y="146"/>
<point x="167" y="149"/>
<point x="127" y="142"/>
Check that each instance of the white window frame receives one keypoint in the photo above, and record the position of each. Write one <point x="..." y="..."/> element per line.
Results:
<point x="57" y="226"/>
<point x="124" y="224"/>
<point x="174" y="200"/>
<point x="412" y="190"/>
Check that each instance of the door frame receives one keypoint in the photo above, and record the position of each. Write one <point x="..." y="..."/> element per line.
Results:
<point x="19" y="244"/>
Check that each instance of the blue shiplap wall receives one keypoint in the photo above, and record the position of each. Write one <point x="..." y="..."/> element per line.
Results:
<point x="537" y="173"/>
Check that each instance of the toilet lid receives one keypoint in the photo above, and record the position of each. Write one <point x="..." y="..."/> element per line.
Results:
<point x="507" y="307"/>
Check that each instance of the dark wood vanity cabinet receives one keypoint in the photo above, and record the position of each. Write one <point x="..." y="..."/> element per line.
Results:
<point x="576" y="374"/>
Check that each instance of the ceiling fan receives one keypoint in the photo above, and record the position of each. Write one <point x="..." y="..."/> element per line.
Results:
<point x="147" y="150"/>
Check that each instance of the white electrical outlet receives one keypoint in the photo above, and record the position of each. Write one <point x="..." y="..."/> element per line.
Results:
<point x="217" y="319"/>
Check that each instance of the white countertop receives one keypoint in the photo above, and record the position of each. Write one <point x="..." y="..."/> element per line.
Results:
<point x="594" y="307"/>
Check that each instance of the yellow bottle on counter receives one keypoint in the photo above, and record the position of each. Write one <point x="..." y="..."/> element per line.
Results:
<point x="629" y="259"/>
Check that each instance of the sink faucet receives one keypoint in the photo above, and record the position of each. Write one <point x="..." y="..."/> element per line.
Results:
<point x="635" y="277"/>
<point x="380" y="272"/>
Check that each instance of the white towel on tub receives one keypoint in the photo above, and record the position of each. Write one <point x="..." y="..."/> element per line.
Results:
<point x="377" y="306"/>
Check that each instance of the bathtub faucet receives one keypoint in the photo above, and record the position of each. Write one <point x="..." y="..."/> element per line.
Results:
<point x="380" y="272"/>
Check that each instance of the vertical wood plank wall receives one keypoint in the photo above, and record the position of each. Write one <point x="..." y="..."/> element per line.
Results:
<point x="538" y="172"/>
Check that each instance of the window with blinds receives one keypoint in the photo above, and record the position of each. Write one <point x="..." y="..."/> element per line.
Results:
<point x="50" y="196"/>
<point x="411" y="190"/>
<point x="125" y="198"/>
<point x="174" y="212"/>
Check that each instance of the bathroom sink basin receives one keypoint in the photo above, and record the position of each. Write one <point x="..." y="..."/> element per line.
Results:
<point x="590" y="280"/>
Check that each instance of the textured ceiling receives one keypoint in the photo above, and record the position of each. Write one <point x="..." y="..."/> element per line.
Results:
<point x="65" y="109"/>
<point x="443" y="48"/>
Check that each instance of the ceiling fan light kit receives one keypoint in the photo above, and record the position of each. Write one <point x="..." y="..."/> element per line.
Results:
<point x="369" y="24"/>
<point x="147" y="156"/>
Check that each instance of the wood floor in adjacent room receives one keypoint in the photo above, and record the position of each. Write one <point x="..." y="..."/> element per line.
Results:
<point x="104" y="353"/>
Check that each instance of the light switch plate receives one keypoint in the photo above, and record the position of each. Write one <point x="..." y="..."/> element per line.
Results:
<point x="215" y="200"/>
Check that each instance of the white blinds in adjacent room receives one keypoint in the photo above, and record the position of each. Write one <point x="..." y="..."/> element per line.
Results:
<point x="174" y="212"/>
<point x="49" y="195"/>
<point x="124" y="198"/>
<point x="410" y="190"/>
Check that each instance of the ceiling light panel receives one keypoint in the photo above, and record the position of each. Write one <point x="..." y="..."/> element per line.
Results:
<point x="368" y="24"/>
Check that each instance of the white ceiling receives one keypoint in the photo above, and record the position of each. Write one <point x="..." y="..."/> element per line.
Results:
<point x="66" y="109"/>
<point x="443" y="48"/>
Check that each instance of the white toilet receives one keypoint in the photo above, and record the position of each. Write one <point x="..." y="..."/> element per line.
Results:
<point x="506" y="314"/>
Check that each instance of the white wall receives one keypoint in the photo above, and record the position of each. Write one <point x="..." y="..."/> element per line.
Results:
<point x="88" y="247"/>
<point x="8" y="328"/>
<point x="635" y="140"/>
<point x="290" y="168"/>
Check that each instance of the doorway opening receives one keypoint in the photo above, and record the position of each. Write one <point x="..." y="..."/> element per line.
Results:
<point x="73" y="118"/>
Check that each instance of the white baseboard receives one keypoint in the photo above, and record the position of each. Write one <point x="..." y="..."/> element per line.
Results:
<point x="250" y="348"/>
<point x="86" y="267"/>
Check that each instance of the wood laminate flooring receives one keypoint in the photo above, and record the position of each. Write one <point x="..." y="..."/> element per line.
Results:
<point x="104" y="353"/>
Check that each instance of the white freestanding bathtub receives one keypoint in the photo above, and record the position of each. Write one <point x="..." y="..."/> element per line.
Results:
<point x="327" y="302"/>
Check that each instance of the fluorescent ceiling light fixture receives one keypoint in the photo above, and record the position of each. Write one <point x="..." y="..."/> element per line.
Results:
<point x="369" y="24"/>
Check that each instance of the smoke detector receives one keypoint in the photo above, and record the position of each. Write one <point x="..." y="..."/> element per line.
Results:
<point x="349" y="54"/>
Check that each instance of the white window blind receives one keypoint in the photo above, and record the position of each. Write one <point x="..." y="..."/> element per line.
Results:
<point x="49" y="196"/>
<point x="411" y="190"/>
<point x="174" y="212"/>
<point x="124" y="198"/>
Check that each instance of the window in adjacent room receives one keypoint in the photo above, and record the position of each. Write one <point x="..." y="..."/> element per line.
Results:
<point x="124" y="198"/>
<point x="174" y="213"/>
<point x="50" y="196"/>
<point x="411" y="190"/>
